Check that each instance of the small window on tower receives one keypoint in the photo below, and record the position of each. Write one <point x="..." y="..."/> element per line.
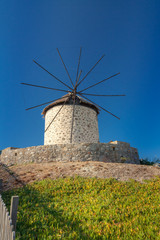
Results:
<point x="113" y="148"/>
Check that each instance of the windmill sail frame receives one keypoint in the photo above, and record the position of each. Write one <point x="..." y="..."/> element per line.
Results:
<point x="73" y="93"/>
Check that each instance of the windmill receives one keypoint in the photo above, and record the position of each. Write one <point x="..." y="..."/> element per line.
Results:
<point x="73" y="117"/>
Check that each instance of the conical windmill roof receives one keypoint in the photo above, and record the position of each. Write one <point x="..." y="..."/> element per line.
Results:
<point x="80" y="100"/>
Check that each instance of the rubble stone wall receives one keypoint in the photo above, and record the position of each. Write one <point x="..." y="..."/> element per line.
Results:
<point x="106" y="152"/>
<point x="58" y="127"/>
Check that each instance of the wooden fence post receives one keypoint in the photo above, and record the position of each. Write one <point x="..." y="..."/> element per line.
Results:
<point x="13" y="210"/>
<point x="1" y="185"/>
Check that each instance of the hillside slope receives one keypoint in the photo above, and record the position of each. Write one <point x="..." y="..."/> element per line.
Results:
<point x="22" y="174"/>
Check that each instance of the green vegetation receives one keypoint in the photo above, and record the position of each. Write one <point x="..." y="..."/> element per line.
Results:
<point x="88" y="208"/>
<point x="147" y="161"/>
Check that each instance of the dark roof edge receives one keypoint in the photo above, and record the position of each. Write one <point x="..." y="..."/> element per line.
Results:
<point x="60" y="101"/>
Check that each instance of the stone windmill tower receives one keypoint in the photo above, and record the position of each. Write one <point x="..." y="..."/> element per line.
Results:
<point x="68" y="128"/>
<point x="73" y="117"/>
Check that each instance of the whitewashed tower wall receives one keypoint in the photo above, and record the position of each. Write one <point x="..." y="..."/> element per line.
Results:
<point x="85" y="126"/>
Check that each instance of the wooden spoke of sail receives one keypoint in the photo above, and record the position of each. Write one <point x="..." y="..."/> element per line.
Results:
<point x="103" y="95"/>
<point x="99" y="82"/>
<point x="74" y="101"/>
<point x="44" y="103"/>
<point x="90" y="70"/>
<point x="78" y="66"/>
<point x="56" y="114"/>
<point x="65" y="67"/>
<point x="78" y="80"/>
<point x="52" y="74"/>
<point x="33" y="85"/>
<point x="99" y="106"/>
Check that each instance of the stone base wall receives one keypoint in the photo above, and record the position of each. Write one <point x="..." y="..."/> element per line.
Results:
<point x="119" y="152"/>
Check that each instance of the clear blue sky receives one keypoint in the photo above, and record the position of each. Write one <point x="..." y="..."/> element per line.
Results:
<point x="128" y="32"/>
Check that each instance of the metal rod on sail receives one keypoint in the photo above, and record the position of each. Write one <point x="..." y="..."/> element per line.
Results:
<point x="56" y="114"/>
<point x="65" y="67"/>
<point x="103" y="95"/>
<point x="33" y="85"/>
<point x="90" y="70"/>
<point x="75" y="88"/>
<point x="99" y="82"/>
<point x="44" y="103"/>
<point x="74" y="101"/>
<point x="52" y="74"/>
<point x="78" y="65"/>
<point x="99" y="106"/>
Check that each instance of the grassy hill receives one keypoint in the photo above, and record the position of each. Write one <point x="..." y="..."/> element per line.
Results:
<point x="88" y="208"/>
